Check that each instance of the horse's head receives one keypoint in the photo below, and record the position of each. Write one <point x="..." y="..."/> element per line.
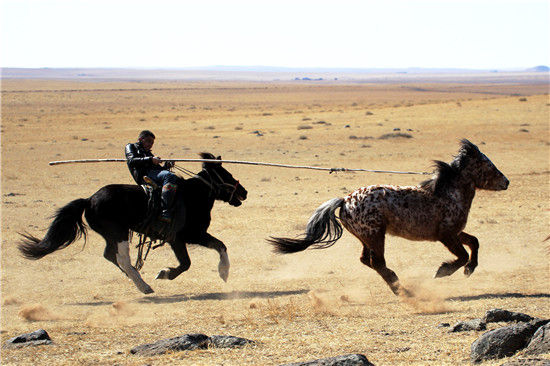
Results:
<point x="228" y="188"/>
<point x="482" y="170"/>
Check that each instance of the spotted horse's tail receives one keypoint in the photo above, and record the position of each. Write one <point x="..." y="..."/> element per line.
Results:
<point x="322" y="231"/>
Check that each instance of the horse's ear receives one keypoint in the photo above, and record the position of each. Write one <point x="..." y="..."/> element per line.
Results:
<point x="468" y="146"/>
<point x="205" y="155"/>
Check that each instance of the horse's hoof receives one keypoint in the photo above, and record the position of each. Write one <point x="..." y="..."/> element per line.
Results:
<point x="224" y="275"/>
<point x="444" y="270"/>
<point x="404" y="292"/>
<point x="399" y="290"/>
<point x="468" y="271"/>
<point x="224" y="272"/>
<point x="164" y="274"/>
<point x="146" y="289"/>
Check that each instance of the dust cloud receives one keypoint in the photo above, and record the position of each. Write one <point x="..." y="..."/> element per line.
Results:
<point x="36" y="312"/>
<point x="425" y="300"/>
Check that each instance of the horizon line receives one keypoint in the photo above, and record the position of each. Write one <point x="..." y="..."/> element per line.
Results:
<point x="276" y="68"/>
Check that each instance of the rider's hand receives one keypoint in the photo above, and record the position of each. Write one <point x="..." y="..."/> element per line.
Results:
<point x="168" y="164"/>
<point x="156" y="160"/>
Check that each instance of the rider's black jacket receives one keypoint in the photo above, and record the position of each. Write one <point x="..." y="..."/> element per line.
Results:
<point x="139" y="161"/>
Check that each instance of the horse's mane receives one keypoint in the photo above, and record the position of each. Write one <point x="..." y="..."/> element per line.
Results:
<point x="445" y="174"/>
<point x="207" y="155"/>
<point x="443" y="177"/>
<point x="204" y="155"/>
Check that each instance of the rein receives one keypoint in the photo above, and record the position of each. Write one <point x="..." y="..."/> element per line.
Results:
<point x="214" y="187"/>
<point x="140" y="258"/>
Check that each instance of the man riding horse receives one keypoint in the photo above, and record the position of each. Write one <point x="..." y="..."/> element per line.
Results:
<point x="144" y="164"/>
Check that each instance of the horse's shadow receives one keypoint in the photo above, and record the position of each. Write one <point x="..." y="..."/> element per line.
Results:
<point x="233" y="295"/>
<point x="506" y="295"/>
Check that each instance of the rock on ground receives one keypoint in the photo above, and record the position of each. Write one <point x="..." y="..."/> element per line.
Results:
<point x="220" y="341"/>
<point x="345" y="360"/>
<point x="527" y="362"/>
<point x="182" y="343"/>
<point x="540" y="342"/>
<point x="475" y="324"/>
<point x="500" y="315"/>
<point x="189" y="342"/>
<point x="503" y="342"/>
<point x="36" y="338"/>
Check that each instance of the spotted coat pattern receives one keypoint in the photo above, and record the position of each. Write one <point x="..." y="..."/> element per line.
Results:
<point x="413" y="213"/>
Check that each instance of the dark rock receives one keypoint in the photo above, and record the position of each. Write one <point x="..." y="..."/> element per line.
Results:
<point x="182" y="343"/>
<point x="36" y="338"/>
<point x="189" y="342"/>
<point x="527" y="362"/>
<point x="540" y="342"/>
<point x="500" y="315"/>
<point x="345" y="360"/>
<point x="220" y="341"/>
<point x="504" y="342"/>
<point x="474" y="324"/>
<point x="443" y="325"/>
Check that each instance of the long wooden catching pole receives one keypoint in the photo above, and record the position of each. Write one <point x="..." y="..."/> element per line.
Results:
<point x="331" y="170"/>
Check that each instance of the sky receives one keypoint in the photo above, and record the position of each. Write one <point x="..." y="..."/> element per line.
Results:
<point x="473" y="34"/>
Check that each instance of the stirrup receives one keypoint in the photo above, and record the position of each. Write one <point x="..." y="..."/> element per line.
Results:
<point x="150" y="182"/>
<point x="164" y="217"/>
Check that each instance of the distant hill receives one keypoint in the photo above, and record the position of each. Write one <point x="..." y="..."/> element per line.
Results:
<point x="541" y="68"/>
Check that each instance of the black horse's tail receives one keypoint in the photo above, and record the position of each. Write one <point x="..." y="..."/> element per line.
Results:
<point x="65" y="229"/>
<point x="322" y="231"/>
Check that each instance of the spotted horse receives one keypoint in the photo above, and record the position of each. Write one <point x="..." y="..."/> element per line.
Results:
<point x="435" y="210"/>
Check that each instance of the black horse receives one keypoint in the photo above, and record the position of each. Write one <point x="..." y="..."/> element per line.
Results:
<point x="117" y="209"/>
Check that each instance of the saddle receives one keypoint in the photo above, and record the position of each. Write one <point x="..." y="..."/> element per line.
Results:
<point x="151" y="226"/>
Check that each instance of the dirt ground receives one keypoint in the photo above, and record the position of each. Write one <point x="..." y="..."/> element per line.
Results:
<point x="299" y="307"/>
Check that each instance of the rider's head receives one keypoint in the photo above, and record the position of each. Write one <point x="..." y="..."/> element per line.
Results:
<point x="146" y="139"/>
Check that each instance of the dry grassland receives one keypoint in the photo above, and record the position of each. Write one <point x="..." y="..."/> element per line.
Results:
<point x="304" y="306"/>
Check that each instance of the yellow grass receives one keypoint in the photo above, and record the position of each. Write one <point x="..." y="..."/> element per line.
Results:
<point x="298" y="307"/>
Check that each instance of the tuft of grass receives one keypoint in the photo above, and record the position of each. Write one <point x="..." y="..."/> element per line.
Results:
<point x="395" y="136"/>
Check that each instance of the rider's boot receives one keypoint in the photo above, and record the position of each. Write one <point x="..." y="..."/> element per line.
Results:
<point x="167" y="200"/>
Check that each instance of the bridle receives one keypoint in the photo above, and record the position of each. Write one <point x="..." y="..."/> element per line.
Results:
<point x="221" y="183"/>
<point x="215" y="183"/>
